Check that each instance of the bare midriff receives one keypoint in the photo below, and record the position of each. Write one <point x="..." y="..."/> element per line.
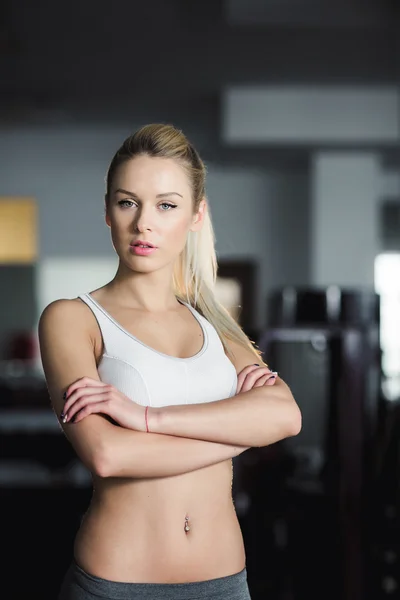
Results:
<point x="162" y="530"/>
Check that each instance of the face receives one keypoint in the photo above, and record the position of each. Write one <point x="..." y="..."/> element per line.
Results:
<point x="151" y="200"/>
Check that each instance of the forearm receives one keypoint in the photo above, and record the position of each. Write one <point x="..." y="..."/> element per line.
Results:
<point x="258" y="417"/>
<point x="129" y="453"/>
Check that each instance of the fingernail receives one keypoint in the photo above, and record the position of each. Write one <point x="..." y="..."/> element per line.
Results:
<point x="256" y="364"/>
<point x="64" y="395"/>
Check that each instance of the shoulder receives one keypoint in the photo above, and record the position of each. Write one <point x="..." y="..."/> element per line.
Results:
<point x="66" y="317"/>
<point x="70" y="317"/>
<point x="62" y="311"/>
<point x="240" y="355"/>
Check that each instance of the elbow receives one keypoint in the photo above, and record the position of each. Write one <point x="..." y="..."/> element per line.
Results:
<point x="293" y="418"/>
<point x="294" y="421"/>
<point x="100" y="464"/>
<point x="101" y="470"/>
<point x="287" y="425"/>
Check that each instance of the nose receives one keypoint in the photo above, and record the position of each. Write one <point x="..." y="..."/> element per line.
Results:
<point x="143" y="219"/>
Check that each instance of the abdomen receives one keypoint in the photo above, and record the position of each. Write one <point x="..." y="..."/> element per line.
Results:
<point x="135" y="530"/>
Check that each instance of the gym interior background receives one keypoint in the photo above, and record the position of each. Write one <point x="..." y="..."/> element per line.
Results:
<point x="295" y="107"/>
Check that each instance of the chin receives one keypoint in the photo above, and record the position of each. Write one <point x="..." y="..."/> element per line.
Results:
<point x="139" y="264"/>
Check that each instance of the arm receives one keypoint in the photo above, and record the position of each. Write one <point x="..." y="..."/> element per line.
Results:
<point x="257" y="417"/>
<point x="67" y="353"/>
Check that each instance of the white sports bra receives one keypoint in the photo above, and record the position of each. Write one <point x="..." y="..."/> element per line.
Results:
<point x="152" y="378"/>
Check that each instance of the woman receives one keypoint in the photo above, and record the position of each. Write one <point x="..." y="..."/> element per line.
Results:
<point x="157" y="388"/>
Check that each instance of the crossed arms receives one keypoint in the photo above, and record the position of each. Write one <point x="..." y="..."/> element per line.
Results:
<point x="183" y="438"/>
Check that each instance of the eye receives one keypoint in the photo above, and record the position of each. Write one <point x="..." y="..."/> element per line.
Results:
<point x="123" y="203"/>
<point x="169" y="205"/>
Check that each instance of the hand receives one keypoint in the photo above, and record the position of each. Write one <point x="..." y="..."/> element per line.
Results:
<point x="255" y="376"/>
<point x="87" y="396"/>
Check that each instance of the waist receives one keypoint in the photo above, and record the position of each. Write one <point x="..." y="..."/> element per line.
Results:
<point x="139" y="534"/>
<point x="230" y="586"/>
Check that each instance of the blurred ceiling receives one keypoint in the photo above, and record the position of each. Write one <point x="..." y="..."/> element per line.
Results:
<point x="76" y="52"/>
<point x="342" y="14"/>
<point x="92" y="58"/>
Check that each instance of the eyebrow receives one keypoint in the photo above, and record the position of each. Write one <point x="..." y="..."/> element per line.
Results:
<point x="158" y="195"/>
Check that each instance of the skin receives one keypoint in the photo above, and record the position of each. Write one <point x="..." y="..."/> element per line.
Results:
<point x="144" y="215"/>
<point x="134" y="527"/>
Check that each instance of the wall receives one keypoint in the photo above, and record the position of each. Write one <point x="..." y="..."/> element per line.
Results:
<point x="259" y="213"/>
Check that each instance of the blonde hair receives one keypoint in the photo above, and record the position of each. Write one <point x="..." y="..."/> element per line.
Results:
<point x="195" y="270"/>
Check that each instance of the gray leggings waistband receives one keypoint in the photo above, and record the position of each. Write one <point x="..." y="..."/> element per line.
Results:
<point x="79" y="585"/>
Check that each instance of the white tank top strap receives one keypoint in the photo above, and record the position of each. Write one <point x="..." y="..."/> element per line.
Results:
<point x="107" y="330"/>
<point x="211" y="335"/>
<point x="117" y="340"/>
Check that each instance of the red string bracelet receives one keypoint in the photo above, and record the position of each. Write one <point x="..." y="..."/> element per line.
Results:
<point x="145" y="416"/>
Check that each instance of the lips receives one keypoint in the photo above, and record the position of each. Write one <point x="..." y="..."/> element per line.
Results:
<point x="140" y="243"/>
<point x="142" y="251"/>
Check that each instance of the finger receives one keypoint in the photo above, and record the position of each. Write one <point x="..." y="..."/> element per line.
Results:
<point x="82" y="403"/>
<point x="260" y="382"/>
<point x="253" y="376"/>
<point x="81" y="392"/>
<point x="254" y="373"/>
<point x="83" y="382"/>
<point x="268" y="379"/>
<point x="90" y="409"/>
<point x="243" y="374"/>
<point x="272" y="378"/>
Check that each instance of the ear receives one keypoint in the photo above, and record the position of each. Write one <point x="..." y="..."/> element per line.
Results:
<point x="106" y="215"/>
<point x="198" y="218"/>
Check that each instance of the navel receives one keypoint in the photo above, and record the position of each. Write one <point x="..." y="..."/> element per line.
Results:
<point x="187" y="526"/>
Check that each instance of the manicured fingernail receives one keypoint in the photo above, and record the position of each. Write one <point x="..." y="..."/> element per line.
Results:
<point x="256" y="364"/>
<point x="64" y="395"/>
